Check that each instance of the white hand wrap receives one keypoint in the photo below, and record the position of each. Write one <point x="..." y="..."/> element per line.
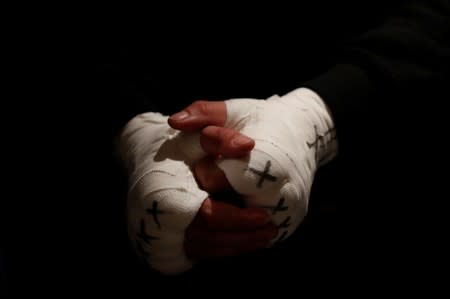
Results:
<point x="163" y="195"/>
<point x="294" y="134"/>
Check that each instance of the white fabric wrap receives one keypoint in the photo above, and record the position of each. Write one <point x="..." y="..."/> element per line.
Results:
<point x="163" y="196"/>
<point x="294" y="135"/>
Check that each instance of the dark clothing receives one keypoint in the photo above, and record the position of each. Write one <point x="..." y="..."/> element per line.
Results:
<point x="382" y="69"/>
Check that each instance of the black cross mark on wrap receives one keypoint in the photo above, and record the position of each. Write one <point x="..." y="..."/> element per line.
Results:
<point x="285" y="223"/>
<point x="142" y="234"/>
<point x="278" y="207"/>
<point x="315" y="143"/>
<point x="155" y="212"/>
<point x="264" y="174"/>
<point x="140" y="249"/>
<point x="281" y="238"/>
<point x="319" y="138"/>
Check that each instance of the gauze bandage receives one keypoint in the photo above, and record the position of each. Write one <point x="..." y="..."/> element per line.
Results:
<point x="163" y="196"/>
<point x="294" y="135"/>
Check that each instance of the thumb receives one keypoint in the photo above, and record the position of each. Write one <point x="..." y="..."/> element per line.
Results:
<point x="199" y="115"/>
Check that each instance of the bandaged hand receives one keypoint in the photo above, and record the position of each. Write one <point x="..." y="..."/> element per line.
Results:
<point x="167" y="209"/>
<point x="171" y="222"/>
<point x="294" y="136"/>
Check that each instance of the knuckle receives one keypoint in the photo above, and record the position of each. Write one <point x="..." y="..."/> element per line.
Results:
<point x="200" y="106"/>
<point x="208" y="183"/>
<point x="200" y="179"/>
<point x="210" y="133"/>
<point x="226" y="135"/>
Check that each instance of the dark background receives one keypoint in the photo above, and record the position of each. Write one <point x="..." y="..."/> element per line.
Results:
<point x="374" y="213"/>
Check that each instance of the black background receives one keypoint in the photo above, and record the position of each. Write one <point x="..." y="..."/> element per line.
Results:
<point x="373" y="217"/>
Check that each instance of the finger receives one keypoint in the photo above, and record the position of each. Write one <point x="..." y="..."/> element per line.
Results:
<point x="225" y="142"/>
<point x="199" y="115"/>
<point x="203" y="243"/>
<point x="217" y="215"/>
<point x="210" y="177"/>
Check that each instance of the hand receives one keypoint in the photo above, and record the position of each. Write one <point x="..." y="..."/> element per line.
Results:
<point x="219" y="228"/>
<point x="209" y="119"/>
<point x="294" y="136"/>
<point x="164" y="199"/>
<point x="222" y="229"/>
<point x="218" y="142"/>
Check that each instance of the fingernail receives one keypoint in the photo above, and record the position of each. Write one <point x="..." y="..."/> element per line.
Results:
<point x="240" y="141"/>
<point x="180" y="115"/>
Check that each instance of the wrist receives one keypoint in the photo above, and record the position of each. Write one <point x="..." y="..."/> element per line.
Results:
<point x="312" y="111"/>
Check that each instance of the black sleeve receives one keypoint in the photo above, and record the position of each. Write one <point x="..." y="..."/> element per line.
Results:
<point x="389" y="74"/>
